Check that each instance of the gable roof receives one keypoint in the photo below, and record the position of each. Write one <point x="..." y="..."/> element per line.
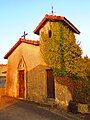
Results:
<point x="18" y="43"/>
<point x="56" y="18"/>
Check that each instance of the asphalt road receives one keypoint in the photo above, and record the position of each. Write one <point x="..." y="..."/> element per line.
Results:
<point x="26" y="111"/>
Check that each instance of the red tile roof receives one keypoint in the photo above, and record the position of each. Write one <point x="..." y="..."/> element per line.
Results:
<point x="3" y="64"/>
<point x="18" y="43"/>
<point x="56" y="18"/>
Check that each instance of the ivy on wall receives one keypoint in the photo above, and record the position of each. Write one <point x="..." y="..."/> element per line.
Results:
<point x="61" y="52"/>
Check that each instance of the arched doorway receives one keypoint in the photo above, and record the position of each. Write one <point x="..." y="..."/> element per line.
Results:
<point x="22" y="79"/>
<point x="21" y="83"/>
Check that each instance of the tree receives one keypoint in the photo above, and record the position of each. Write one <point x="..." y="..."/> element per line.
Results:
<point x="87" y="63"/>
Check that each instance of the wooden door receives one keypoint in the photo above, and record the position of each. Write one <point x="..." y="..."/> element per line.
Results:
<point x="21" y="83"/>
<point x="50" y="84"/>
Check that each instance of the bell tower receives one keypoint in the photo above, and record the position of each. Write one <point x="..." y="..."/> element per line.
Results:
<point x="50" y="26"/>
<point x="53" y="32"/>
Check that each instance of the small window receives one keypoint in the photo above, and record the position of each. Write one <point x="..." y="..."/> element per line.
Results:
<point x="50" y="33"/>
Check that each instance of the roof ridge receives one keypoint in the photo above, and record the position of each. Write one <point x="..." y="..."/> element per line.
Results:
<point x="34" y="42"/>
<point x="22" y="39"/>
<point x="57" y="18"/>
<point x="54" y="16"/>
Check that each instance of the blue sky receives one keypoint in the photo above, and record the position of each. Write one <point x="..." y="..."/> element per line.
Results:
<point x="17" y="16"/>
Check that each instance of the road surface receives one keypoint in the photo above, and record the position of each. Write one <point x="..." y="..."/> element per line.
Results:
<point x="25" y="111"/>
<point x="13" y="109"/>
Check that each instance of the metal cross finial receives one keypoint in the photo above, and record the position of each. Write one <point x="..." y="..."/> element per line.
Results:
<point x="24" y="35"/>
<point x="52" y="10"/>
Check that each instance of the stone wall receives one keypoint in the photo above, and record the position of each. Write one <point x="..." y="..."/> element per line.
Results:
<point x="63" y="91"/>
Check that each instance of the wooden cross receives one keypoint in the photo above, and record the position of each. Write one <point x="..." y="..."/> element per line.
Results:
<point x="24" y="35"/>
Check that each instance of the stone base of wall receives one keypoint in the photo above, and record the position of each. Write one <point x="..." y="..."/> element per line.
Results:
<point x="2" y="91"/>
<point x="36" y="98"/>
<point x="83" y="108"/>
<point x="78" y="107"/>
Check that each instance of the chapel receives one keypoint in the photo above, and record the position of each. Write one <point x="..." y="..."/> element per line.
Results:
<point x="28" y="75"/>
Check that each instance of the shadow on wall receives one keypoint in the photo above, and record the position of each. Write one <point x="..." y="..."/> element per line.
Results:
<point x="36" y="84"/>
